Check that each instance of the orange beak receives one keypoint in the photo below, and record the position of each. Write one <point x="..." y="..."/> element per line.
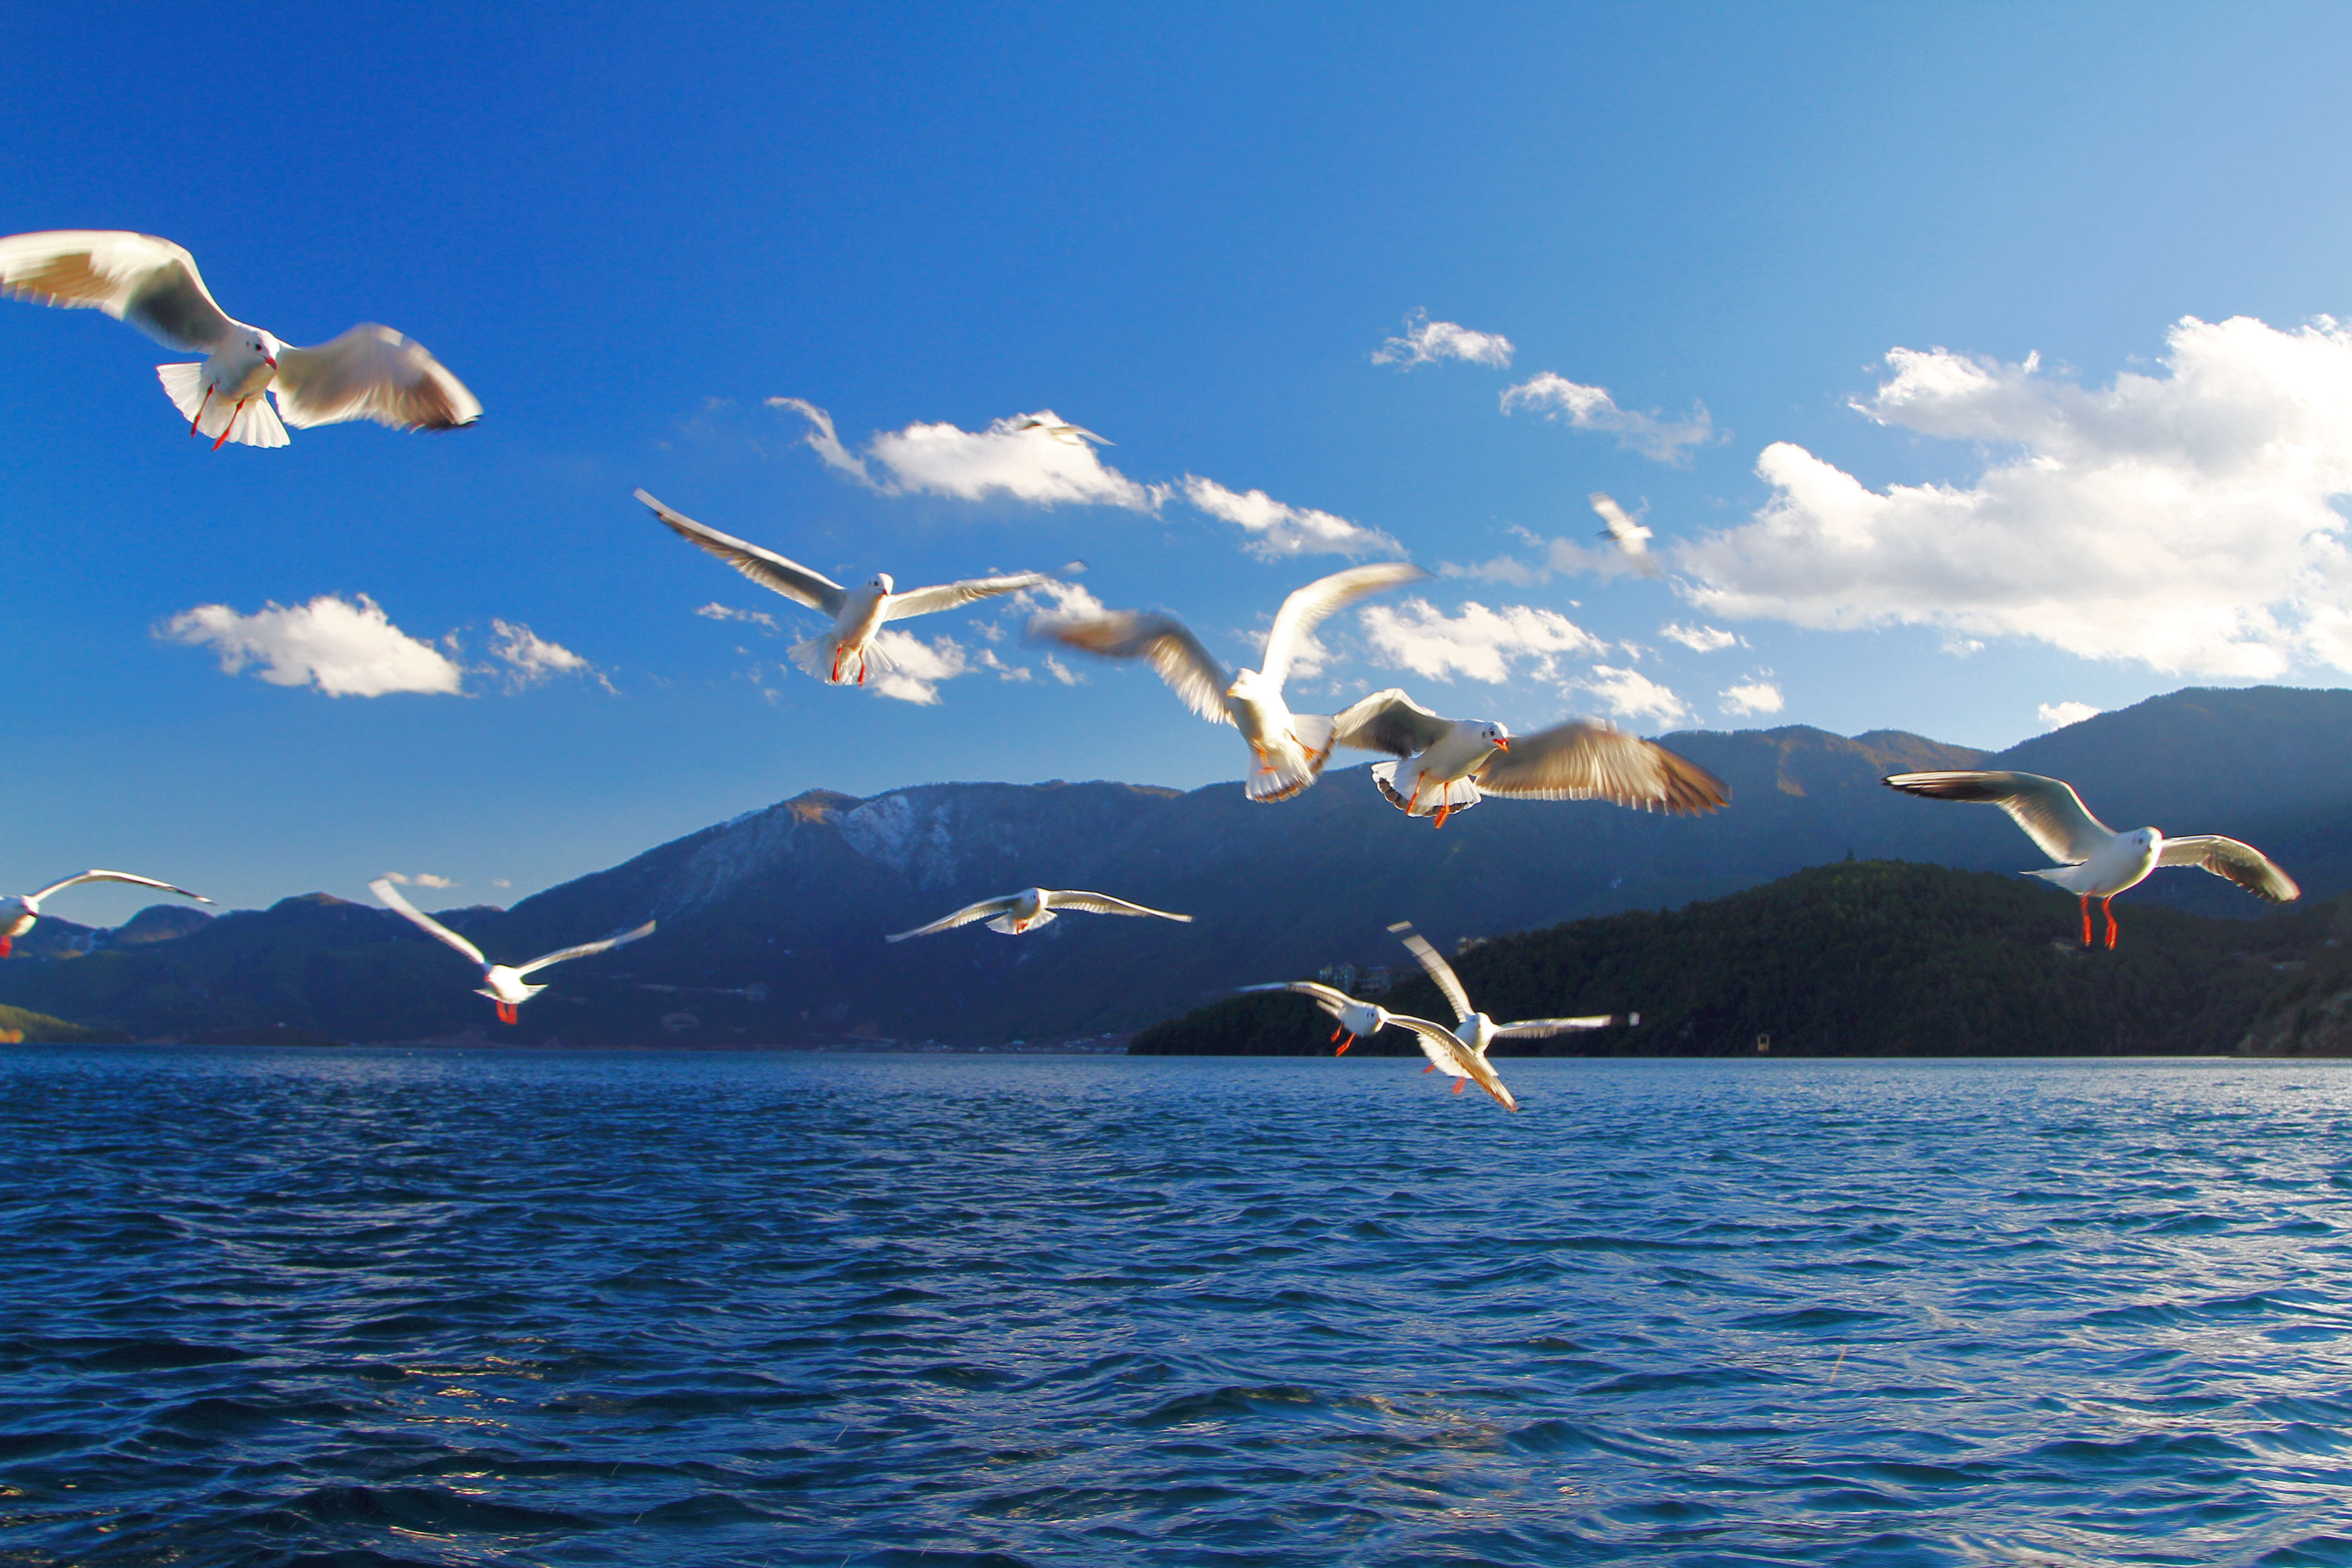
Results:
<point x="270" y="363"/>
<point x="1502" y="742"/>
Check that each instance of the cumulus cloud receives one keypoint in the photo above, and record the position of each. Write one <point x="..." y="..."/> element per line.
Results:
<point x="1699" y="639"/>
<point x="718" y="612"/>
<point x="344" y="649"/>
<point x="1008" y="458"/>
<point x="1591" y="408"/>
<point x="530" y="660"/>
<point x="2182" y="520"/>
<point x="422" y="879"/>
<point x="1479" y="643"/>
<point x="917" y="667"/>
<point x="1277" y="530"/>
<point x="2058" y="715"/>
<point x="1629" y="694"/>
<point x="1749" y="696"/>
<point x="1426" y="341"/>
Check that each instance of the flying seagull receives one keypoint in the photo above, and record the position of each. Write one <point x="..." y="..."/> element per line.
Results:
<point x="19" y="911"/>
<point x="1449" y="764"/>
<point x="2100" y="862"/>
<point x="1048" y="423"/>
<point x="857" y="613"/>
<point x="369" y="373"/>
<point x="500" y="984"/>
<point x="1357" y="1020"/>
<point x="1289" y="749"/>
<point x="1633" y="539"/>
<point x="1015" y="913"/>
<point x="1461" y="1053"/>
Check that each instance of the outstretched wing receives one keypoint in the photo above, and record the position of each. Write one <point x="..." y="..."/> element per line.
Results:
<point x="585" y="948"/>
<point x="370" y="373"/>
<point x="1449" y="1055"/>
<point x="1189" y="670"/>
<point x="2049" y="810"/>
<point x="789" y="578"/>
<point x="1103" y="904"/>
<point x="1536" y="1029"/>
<point x="1439" y="970"/>
<point x="962" y="917"/>
<point x="117" y="877"/>
<point x="1389" y="721"/>
<point x="1317" y="602"/>
<point x="2241" y="863"/>
<point x="947" y="595"/>
<point x="136" y="277"/>
<point x="1586" y="760"/>
<point x="1330" y="998"/>
<point x="383" y="888"/>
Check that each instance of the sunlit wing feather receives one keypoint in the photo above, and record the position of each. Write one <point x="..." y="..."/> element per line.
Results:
<point x="117" y="877"/>
<point x="1536" y="1029"/>
<point x="1439" y="970"/>
<point x="2240" y="863"/>
<point x="962" y="917"/>
<point x="1310" y="607"/>
<point x="136" y="277"/>
<point x="1389" y="721"/>
<point x="1330" y="998"/>
<point x="1583" y="760"/>
<point x="1191" y="671"/>
<point x="1451" y="1056"/>
<point x="1104" y="904"/>
<point x="947" y="595"/>
<point x="765" y="567"/>
<point x="585" y="948"/>
<point x="370" y="373"/>
<point x="383" y="888"/>
<point x="2049" y="810"/>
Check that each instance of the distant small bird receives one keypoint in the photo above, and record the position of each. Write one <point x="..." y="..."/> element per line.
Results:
<point x="2100" y="862"/>
<point x="369" y="373"/>
<point x="19" y="911"/>
<point x="500" y="984"/>
<point x="1449" y="764"/>
<point x="1048" y="423"/>
<point x="1633" y="538"/>
<point x="857" y="613"/>
<point x="1461" y="1053"/>
<point x="1017" y="914"/>
<point x="1289" y="749"/>
<point x="1358" y="1020"/>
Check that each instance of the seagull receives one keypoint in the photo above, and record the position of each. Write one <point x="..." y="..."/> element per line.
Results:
<point x="1026" y="911"/>
<point x="1048" y="423"/>
<point x="19" y="911"/>
<point x="1290" y="747"/>
<point x="2100" y="862"/>
<point x="1358" y="1020"/>
<point x="501" y="984"/>
<point x="857" y="613"/>
<point x="369" y="373"/>
<point x="1461" y="1052"/>
<point x="1631" y="537"/>
<point x="1449" y="764"/>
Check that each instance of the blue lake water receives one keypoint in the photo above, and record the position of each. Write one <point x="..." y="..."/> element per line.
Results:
<point x="351" y="1307"/>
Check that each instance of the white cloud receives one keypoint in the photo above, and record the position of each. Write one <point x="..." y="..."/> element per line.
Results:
<point x="1426" y="341"/>
<point x="1005" y="459"/>
<point x="1563" y="557"/>
<point x="1591" y="408"/>
<point x="2058" y="715"/>
<point x="917" y="667"/>
<point x="422" y="879"/>
<point x="501" y="882"/>
<point x="345" y="649"/>
<point x="1758" y="696"/>
<point x="1062" y="672"/>
<point x="718" y="612"/>
<point x="1700" y="639"/>
<point x="1479" y="643"/>
<point x="1629" y="694"/>
<point x="2181" y="519"/>
<point x="530" y="658"/>
<point x="1275" y="530"/>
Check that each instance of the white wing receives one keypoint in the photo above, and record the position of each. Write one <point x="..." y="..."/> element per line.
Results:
<point x="370" y="373"/>
<point x="1390" y="722"/>
<point x="962" y="917"/>
<point x="1583" y="760"/>
<point x="789" y="578"/>
<point x="1536" y="1029"/>
<point x="136" y="277"/>
<point x="1330" y="998"/>
<point x="1103" y="904"/>
<point x="1316" y="603"/>
<point x="384" y="889"/>
<point x="117" y="877"/>
<point x="947" y="595"/>
<point x="1190" y="671"/>
<point x="2049" y="810"/>
<point x="2240" y="863"/>
<point x="1439" y="970"/>
<point x="585" y="948"/>
<point x="1067" y="434"/>
<point x="1451" y="1056"/>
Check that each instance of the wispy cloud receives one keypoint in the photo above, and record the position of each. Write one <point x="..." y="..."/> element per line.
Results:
<point x="718" y="612"/>
<point x="1013" y="457"/>
<point x="1479" y="643"/>
<point x="421" y="879"/>
<point x="1629" y="694"/>
<point x="1583" y="407"/>
<point x="1555" y="557"/>
<point x="1275" y="530"/>
<point x="1698" y="639"/>
<point x="1426" y="341"/>
<point x="532" y="659"/>
<point x="344" y="649"/>
<point x="2058" y="715"/>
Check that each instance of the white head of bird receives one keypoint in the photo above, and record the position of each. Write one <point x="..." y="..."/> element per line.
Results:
<point x="881" y="581"/>
<point x="1495" y="735"/>
<point x="244" y="362"/>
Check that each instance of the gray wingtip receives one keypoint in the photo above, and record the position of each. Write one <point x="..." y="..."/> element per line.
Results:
<point x="1400" y="925"/>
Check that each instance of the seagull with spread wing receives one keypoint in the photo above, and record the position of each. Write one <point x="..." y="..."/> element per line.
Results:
<point x="1460" y="1053"/>
<point x="1052" y="425"/>
<point x="1447" y="766"/>
<point x="2099" y="861"/>
<point x="501" y="984"/>
<point x="1015" y="913"/>
<point x="19" y="911"/>
<point x="849" y="650"/>
<point x="1289" y="749"/>
<point x="1633" y="539"/>
<point x="369" y="373"/>
<point x="1357" y="1019"/>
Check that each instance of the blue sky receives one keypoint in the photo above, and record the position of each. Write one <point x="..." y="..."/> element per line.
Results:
<point x="1192" y="230"/>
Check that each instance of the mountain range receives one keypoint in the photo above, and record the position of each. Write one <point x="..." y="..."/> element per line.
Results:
<point x="770" y="924"/>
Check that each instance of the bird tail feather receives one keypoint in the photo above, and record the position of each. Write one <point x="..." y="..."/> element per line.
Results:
<point x="816" y="657"/>
<point x="1461" y="794"/>
<point x="254" y="424"/>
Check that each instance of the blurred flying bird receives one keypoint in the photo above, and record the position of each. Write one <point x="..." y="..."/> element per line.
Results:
<point x="1461" y="1053"/>
<point x="1026" y="911"/>
<point x="1631" y="537"/>
<point x="1048" y="423"/>
<point x="19" y="911"/>
<point x="501" y="984"/>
